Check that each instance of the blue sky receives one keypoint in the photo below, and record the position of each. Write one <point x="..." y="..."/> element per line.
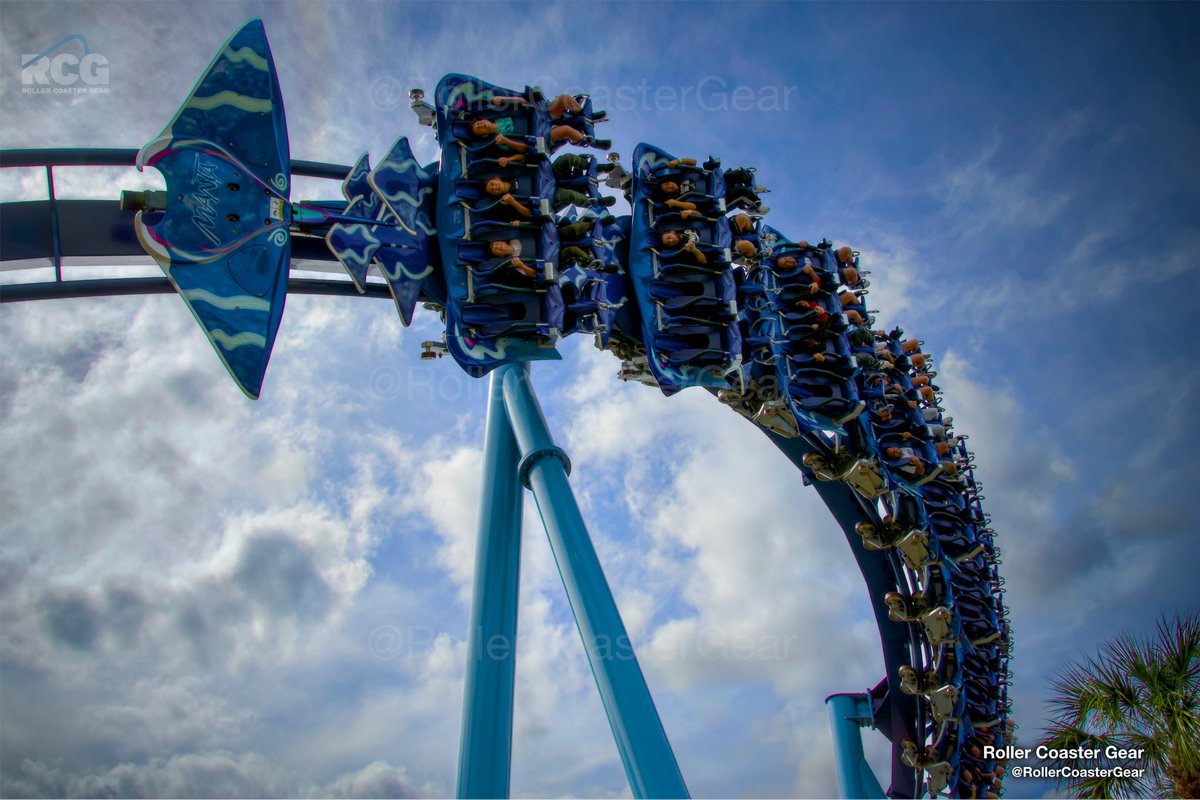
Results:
<point x="203" y="595"/>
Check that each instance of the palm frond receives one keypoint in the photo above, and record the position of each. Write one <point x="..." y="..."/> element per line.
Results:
<point x="1136" y="693"/>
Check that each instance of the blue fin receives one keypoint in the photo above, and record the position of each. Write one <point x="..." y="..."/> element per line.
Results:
<point x="408" y="194"/>
<point x="355" y="244"/>
<point x="356" y="186"/>
<point x="405" y="187"/>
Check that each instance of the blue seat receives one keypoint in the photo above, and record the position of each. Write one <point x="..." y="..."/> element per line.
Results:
<point x="499" y="276"/>
<point x="580" y="121"/>
<point x="584" y="241"/>
<point x="679" y="263"/>
<point x="806" y="325"/>
<point x="824" y="394"/>
<point x="749" y="291"/>
<point x="586" y="181"/>
<point x="699" y="346"/>
<point x="696" y="317"/>
<point x="842" y="366"/>
<point x="719" y="288"/>
<point x="708" y="186"/>
<point x="682" y="302"/>
<point x="796" y="273"/>
<point x="586" y="308"/>
<point x="515" y="313"/>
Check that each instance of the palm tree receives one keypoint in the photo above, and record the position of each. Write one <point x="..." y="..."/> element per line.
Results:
<point x="1138" y="694"/>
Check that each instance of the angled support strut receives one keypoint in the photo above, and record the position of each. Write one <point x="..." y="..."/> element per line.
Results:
<point x="485" y="750"/>
<point x="641" y="740"/>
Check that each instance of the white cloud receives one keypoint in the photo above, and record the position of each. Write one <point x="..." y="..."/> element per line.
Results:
<point x="449" y="495"/>
<point x="209" y="773"/>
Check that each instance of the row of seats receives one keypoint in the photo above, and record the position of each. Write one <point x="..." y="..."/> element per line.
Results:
<point x="800" y="372"/>
<point x="690" y="291"/>
<point x="509" y="192"/>
<point x="727" y="293"/>
<point x="944" y="536"/>
<point x="964" y="528"/>
<point x="817" y="364"/>
<point x="803" y="311"/>
<point x="587" y="237"/>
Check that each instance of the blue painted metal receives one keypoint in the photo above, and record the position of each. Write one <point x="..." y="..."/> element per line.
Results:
<point x="641" y="740"/>
<point x="227" y="246"/>
<point x="389" y="224"/>
<point x="848" y="713"/>
<point x="485" y="751"/>
<point x="409" y="191"/>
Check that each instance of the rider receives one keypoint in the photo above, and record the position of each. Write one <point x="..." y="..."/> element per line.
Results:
<point x="508" y="251"/>
<point x="787" y="263"/>
<point x="496" y="129"/>
<point x="744" y="235"/>
<point x="673" y="239"/>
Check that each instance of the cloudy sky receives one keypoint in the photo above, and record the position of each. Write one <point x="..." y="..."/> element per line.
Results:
<point x="201" y="595"/>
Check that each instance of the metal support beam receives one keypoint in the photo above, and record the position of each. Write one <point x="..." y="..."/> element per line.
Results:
<point x="126" y="156"/>
<point x="55" y="234"/>
<point x="108" y="287"/>
<point x="641" y="741"/>
<point x="485" y="751"/>
<point x="848" y="714"/>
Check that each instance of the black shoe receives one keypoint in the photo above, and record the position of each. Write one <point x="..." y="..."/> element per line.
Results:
<point x="602" y="144"/>
<point x="599" y="115"/>
<point x="608" y="219"/>
<point x="608" y="202"/>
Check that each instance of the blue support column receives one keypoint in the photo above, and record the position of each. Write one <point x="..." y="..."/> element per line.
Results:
<point x="641" y="741"/>
<point x="848" y="713"/>
<point x="485" y="752"/>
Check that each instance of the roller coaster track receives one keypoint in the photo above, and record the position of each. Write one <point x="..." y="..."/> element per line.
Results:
<point x="900" y="484"/>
